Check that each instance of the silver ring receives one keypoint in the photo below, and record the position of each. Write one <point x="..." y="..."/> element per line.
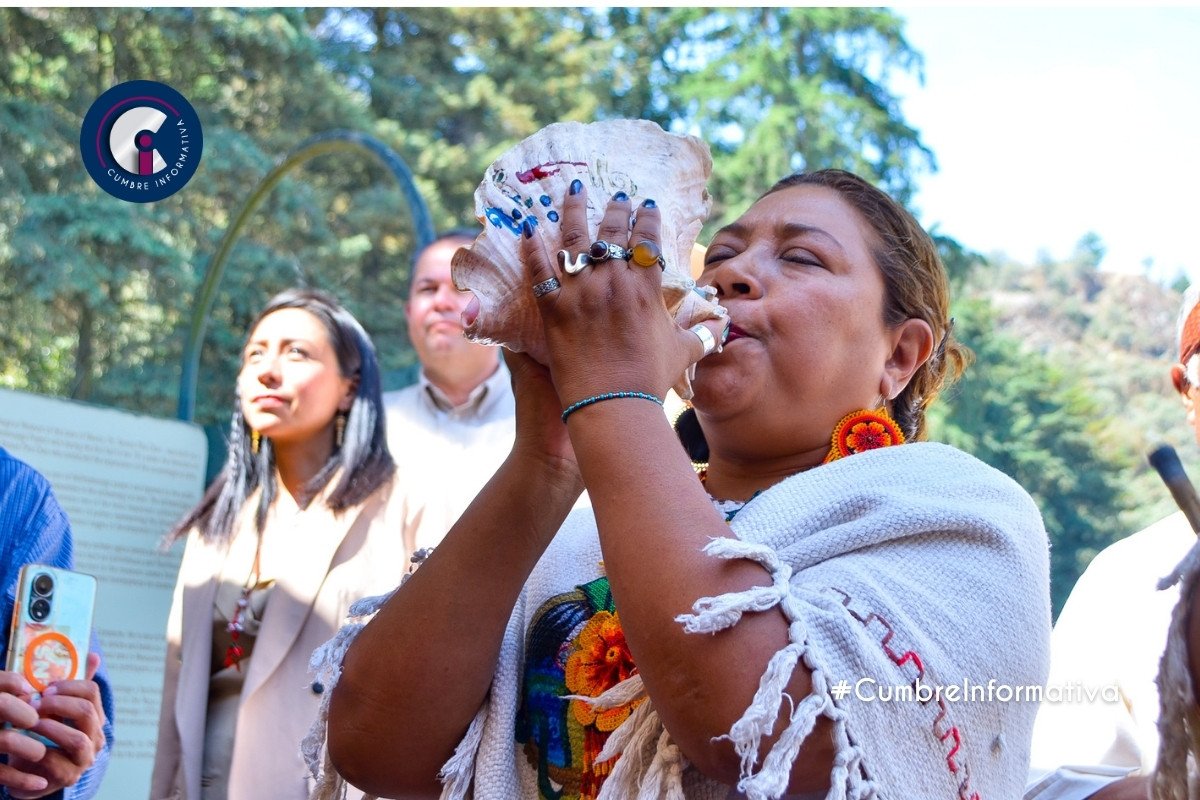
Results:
<point x="706" y="338"/>
<point x="573" y="267"/>
<point x="601" y="250"/>
<point x="546" y="287"/>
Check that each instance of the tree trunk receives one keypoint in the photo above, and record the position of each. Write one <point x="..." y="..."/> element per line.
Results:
<point x="81" y="387"/>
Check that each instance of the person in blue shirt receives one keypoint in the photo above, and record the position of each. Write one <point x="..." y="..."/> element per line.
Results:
<point x="75" y="715"/>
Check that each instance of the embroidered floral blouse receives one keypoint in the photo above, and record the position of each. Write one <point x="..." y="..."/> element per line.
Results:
<point x="575" y="646"/>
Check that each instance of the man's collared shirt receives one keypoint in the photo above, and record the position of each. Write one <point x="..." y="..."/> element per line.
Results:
<point x="444" y="453"/>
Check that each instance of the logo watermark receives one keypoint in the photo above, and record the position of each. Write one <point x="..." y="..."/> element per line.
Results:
<point x="868" y="690"/>
<point x="141" y="141"/>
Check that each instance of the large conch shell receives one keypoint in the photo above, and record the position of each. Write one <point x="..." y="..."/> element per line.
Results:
<point x="530" y="181"/>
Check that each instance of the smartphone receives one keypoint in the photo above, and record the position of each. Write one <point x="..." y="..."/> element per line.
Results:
<point x="51" y="625"/>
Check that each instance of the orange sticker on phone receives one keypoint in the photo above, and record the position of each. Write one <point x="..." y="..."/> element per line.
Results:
<point x="50" y="657"/>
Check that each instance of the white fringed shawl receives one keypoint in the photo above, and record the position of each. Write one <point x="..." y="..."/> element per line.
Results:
<point x="911" y="563"/>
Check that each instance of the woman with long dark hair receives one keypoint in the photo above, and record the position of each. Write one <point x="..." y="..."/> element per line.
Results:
<point x="300" y="523"/>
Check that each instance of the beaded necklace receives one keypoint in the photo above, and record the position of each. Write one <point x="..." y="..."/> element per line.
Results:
<point x="234" y="652"/>
<point x="857" y="432"/>
<point x="729" y="508"/>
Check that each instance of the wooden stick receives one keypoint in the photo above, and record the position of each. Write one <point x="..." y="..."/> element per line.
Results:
<point x="1165" y="460"/>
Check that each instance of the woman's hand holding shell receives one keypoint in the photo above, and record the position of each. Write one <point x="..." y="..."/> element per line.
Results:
<point x="606" y="326"/>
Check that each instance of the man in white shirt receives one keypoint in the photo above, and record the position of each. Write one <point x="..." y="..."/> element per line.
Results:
<point x="1108" y="641"/>
<point x="450" y="431"/>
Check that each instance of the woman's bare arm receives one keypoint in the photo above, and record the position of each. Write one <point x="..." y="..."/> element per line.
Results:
<point x="654" y="520"/>
<point x="607" y="331"/>
<point x="419" y="671"/>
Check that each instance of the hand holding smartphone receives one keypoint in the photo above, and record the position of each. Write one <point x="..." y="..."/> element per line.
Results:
<point x="51" y="625"/>
<point x="48" y="654"/>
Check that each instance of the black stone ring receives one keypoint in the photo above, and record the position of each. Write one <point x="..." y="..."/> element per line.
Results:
<point x="601" y="250"/>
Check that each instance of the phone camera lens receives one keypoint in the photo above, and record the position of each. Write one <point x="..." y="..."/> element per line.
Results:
<point x="43" y="585"/>
<point x="39" y="609"/>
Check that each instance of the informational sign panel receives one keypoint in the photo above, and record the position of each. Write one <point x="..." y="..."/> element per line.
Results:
<point x="124" y="480"/>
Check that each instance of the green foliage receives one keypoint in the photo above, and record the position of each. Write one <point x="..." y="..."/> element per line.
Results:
<point x="96" y="294"/>
<point x="776" y="90"/>
<point x="773" y="91"/>
<point x="1069" y="393"/>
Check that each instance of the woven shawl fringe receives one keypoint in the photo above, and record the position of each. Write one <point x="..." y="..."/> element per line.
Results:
<point x="622" y="694"/>
<point x="665" y="777"/>
<point x="456" y="773"/>
<point x="326" y="665"/>
<point x="714" y="614"/>
<point x="1178" y="720"/>
<point x="650" y="766"/>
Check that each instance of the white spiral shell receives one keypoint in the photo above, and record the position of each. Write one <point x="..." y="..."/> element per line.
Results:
<point x="530" y="181"/>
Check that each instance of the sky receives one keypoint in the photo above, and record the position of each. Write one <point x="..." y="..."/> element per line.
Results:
<point x="1047" y="124"/>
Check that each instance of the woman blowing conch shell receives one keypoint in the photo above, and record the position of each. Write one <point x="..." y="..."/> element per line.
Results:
<point x="717" y="636"/>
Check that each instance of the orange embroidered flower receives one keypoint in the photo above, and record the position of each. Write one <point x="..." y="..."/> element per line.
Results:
<point x="863" y="430"/>
<point x="868" y="436"/>
<point x="601" y="661"/>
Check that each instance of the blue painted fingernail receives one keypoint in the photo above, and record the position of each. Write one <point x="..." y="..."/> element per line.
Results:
<point x="648" y="203"/>
<point x="527" y="228"/>
<point x="576" y="186"/>
<point x="619" y="196"/>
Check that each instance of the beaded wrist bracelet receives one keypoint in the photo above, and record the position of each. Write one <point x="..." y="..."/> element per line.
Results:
<point x="596" y="398"/>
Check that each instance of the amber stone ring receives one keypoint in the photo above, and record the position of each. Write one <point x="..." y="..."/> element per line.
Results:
<point x="647" y="254"/>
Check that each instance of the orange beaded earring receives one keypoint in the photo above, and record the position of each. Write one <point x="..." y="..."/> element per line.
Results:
<point x="862" y="430"/>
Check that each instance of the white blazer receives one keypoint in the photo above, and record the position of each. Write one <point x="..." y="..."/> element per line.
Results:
<point x="335" y="560"/>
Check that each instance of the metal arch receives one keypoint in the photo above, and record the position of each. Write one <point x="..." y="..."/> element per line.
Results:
<point x="322" y="143"/>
